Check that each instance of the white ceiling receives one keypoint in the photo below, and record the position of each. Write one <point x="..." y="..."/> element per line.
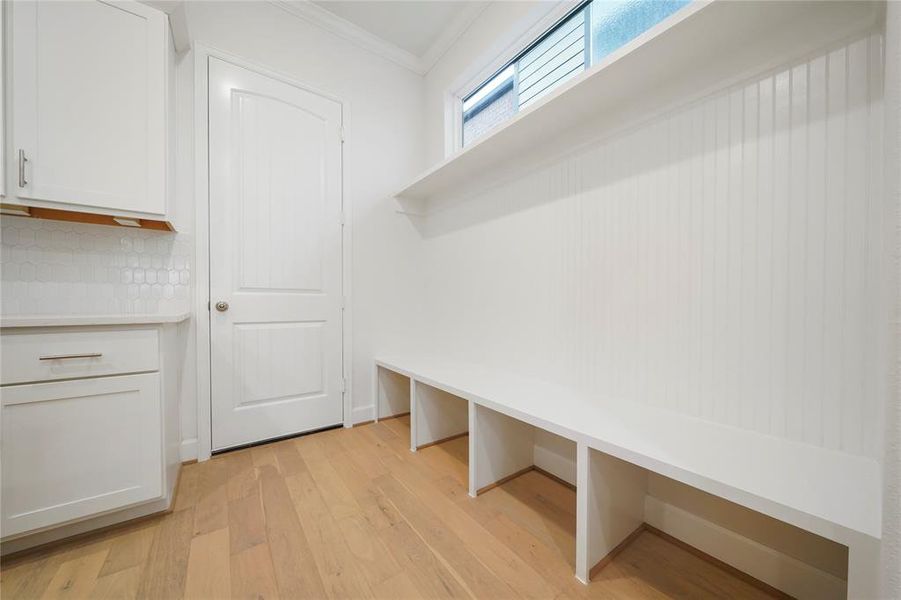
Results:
<point x="411" y="25"/>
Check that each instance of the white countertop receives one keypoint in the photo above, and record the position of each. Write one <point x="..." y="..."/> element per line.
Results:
<point x="70" y="320"/>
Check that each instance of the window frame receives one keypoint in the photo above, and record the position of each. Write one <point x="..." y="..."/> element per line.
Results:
<point x="552" y="21"/>
<point x="510" y="45"/>
<point x="546" y="25"/>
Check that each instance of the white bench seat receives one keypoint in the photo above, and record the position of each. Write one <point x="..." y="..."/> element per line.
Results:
<point x="830" y="493"/>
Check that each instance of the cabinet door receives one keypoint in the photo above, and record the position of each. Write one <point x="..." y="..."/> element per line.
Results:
<point x="2" y="101"/>
<point x="87" y="120"/>
<point x="73" y="449"/>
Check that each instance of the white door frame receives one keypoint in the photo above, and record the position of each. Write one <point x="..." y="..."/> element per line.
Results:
<point x="202" y="53"/>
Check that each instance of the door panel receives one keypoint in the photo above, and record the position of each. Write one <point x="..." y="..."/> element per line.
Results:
<point x="281" y="148"/>
<point x="279" y="361"/>
<point x="275" y="257"/>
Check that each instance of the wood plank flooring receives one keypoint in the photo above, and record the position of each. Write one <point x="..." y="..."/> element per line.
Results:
<point x="351" y="513"/>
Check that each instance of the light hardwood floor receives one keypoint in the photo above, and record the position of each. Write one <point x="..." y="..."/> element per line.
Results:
<point x="351" y="513"/>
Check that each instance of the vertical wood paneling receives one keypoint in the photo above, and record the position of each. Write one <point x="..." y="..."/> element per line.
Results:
<point x="880" y="296"/>
<point x="748" y="388"/>
<point x="766" y="272"/>
<point x="708" y="272"/>
<point x="781" y="207"/>
<point x="696" y="361"/>
<point x="854" y="266"/>
<point x="722" y="260"/>
<point x="735" y="233"/>
<point x="816" y="219"/>
<point x="833" y="290"/>
<point x="797" y="252"/>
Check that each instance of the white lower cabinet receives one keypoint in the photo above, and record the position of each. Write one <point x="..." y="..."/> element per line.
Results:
<point x="72" y="449"/>
<point x="89" y="431"/>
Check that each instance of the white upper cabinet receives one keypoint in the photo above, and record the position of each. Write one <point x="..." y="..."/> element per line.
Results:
<point x="88" y="107"/>
<point x="2" y="103"/>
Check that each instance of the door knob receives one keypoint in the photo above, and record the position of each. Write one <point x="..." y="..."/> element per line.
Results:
<point x="222" y="306"/>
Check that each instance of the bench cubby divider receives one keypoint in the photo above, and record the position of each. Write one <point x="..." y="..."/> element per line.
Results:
<point x="435" y="415"/>
<point x="390" y="392"/>
<point x="610" y="497"/>
<point x="501" y="448"/>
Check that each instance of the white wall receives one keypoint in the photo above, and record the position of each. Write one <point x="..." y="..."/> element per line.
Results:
<point x="723" y="260"/>
<point x="726" y="259"/>
<point x="383" y="120"/>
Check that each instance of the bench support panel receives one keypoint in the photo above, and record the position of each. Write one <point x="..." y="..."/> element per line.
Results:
<point x="436" y="415"/>
<point x="864" y="568"/>
<point x="499" y="448"/>
<point x="414" y="416"/>
<point x="391" y="393"/>
<point x="609" y="506"/>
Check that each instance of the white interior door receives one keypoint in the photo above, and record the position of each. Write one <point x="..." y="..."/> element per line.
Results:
<point x="275" y="257"/>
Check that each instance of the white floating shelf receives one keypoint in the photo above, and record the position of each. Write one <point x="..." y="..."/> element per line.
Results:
<point x="703" y="47"/>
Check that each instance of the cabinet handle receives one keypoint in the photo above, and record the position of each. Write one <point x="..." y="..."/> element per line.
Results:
<point x="65" y="356"/>
<point x="22" y="160"/>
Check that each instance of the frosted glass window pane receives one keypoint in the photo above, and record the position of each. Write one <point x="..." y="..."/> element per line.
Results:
<point x="491" y="105"/>
<point x="617" y="22"/>
<point x="558" y="56"/>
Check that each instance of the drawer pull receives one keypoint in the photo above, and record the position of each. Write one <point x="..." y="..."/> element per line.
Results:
<point x="65" y="356"/>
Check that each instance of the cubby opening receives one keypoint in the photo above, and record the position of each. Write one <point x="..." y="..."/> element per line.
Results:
<point x="436" y="416"/>
<point x="536" y="467"/>
<point x="392" y="393"/>
<point x="625" y="503"/>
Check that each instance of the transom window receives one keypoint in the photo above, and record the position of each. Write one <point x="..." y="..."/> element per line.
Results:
<point x="582" y="38"/>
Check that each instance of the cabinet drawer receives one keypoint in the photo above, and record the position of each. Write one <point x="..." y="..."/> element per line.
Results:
<point x="74" y="449"/>
<point x="50" y="355"/>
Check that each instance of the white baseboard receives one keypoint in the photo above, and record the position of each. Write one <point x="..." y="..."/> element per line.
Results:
<point x="361" y="414"/>
<point x="90" y="524"/>
<point x="770" y="566"/>
<point x="188" y="450"/>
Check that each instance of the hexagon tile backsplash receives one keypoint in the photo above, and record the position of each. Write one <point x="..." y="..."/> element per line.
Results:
<point x="56" y="267"/>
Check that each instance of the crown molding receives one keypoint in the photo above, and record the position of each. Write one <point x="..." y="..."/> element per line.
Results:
<point x="325" y="19"/>
<point x="316" y="15"/>
<point x="450" y="34"/>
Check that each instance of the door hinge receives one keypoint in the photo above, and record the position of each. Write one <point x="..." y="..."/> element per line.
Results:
<point x="342" y="219"/>
<point x="342" y="134"/>
<point x="343" y="302"/>
<point x="208" y="305"/>
<point x="343" y="385"/>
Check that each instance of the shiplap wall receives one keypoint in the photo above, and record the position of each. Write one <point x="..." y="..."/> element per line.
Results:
<point x="723" y="260"/>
